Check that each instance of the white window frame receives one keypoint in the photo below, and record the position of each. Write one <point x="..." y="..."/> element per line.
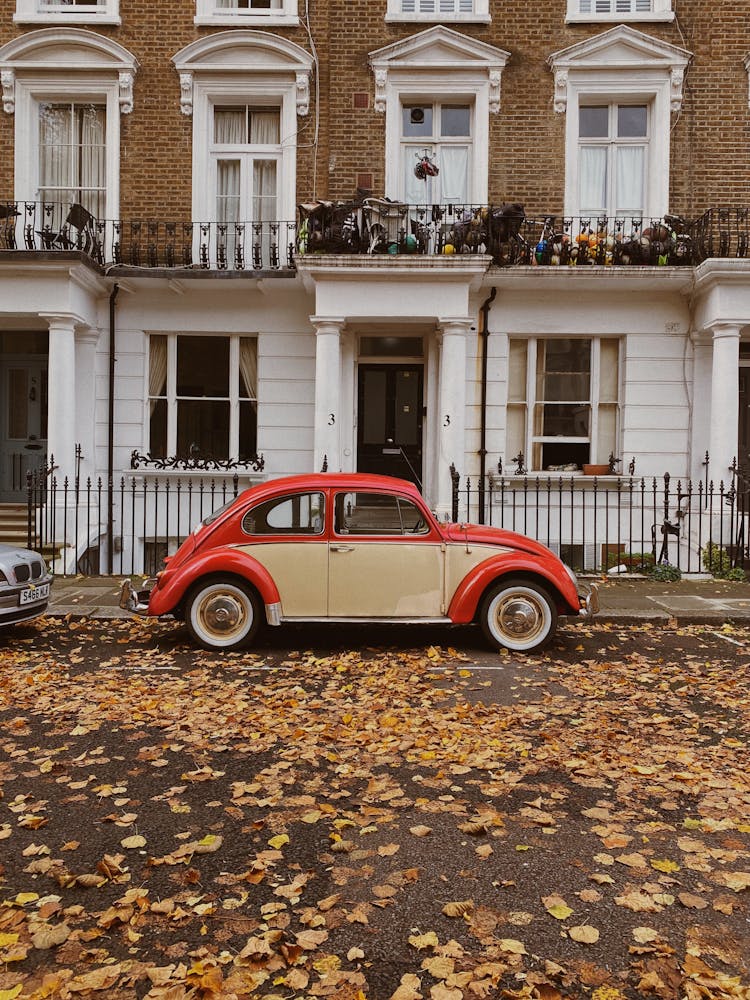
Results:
<point x="173" y="400"/>
<point x="438" y="65"/>
<point x="622" y="66"/>
<point x="208" y="13"/>
<point x="435" y="145"/>
<point x="404" y="11"/>
<point x="530" y="402"/>
<point x="218" y="70"/>
<point x="586" y="12"/>
<point x="48" y="12"/>
<point x="611" y="142"/>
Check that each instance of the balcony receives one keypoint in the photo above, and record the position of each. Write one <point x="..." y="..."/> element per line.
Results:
<point x="375" y="226"/>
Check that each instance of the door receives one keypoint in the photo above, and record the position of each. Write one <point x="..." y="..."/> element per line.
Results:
<point x="389" y="427"/>
<point x="743" y="431"/>
<point x="23" y="425"/>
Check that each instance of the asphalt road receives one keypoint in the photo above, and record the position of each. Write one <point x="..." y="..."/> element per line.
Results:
<point x="374" y="813"/>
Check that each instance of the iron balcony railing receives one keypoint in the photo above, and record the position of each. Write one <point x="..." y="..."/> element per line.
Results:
<point x="377" y="226"/>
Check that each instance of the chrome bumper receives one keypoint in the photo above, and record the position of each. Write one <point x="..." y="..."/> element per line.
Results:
<point x="136" y="601"/>
<point x="589" y="602"/>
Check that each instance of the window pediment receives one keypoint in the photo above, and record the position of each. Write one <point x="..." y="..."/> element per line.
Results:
<point x="438" y="48"/>
<point x="617" y="50"/>
<point x="243" y="51"/>
<point x="69" y="51"/>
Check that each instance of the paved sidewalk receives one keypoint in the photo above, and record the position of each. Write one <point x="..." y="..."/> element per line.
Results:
<point x="691" y="601"/>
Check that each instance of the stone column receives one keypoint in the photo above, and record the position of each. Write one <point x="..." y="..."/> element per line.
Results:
<point x="451" y="407"/>
<point x="328" y="409"/>
<point x="86" y="340"/>
<point x="724" y="401"/>
<point x="62" y="403"/>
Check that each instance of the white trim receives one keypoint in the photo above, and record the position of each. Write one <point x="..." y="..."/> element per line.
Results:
<point x="621" y="65"/>
<point x="479" y="13"/>
<point x="207" y="13"/>
<point x="438" y="63"/>
<point x="39" y="12"/>
<point x="661" y="10"/>
<point x="246" y="55"/>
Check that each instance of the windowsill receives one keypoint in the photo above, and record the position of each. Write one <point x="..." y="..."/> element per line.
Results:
<point x="654" y="16"/>
<point x="274" y="18"/>
<point x="61" y="17"/>
<point x="437" y="19"/>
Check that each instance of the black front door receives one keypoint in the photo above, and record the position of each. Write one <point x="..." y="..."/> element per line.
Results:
<point x="744" y="428"/>
<point x="389" y="428"/>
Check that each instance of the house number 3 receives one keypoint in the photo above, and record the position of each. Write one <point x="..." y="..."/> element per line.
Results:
<point x="331" y="419"/>
<point x="447" y="421"/>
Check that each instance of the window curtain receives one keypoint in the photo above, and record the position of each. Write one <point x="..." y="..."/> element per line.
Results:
<point x="264" y="191"/>
<point x="72" y="155"/>
<point x="157" y="372"/>
<point x="92" y="158"/>
<point x="55" y="140"/>
<point x="265" y="128"/>
<point x="592" y="166"/>
<point x="230" y="125"/>
<point x="629" y="174"/>
<point x="248" y="368"/>
<point x="228" y="191"/>
<point x="454" y="174"/>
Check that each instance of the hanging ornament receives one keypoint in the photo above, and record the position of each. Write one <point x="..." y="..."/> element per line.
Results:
<point x="425" y="167"/>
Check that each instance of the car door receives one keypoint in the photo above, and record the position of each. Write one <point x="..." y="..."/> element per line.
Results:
<point x="386" y="560"/>
<point x="287" y="535"/>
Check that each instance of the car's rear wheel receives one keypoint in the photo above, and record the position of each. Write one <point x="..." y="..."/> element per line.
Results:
<point x="223" y="614"/>
<point x="518" y="615"/>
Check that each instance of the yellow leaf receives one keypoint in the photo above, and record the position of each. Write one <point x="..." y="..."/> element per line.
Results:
<point x="513" y="946"/>
<point x="556" y="907"/>
<point x="132" y="842"/>
<point x="644" y="935"/>
<point x="736" y="880"/>
<point x="278" y="842"/>
<point x="7" y="939"/>
<point x="665" y="865"/>
<point x="12" y="993"/>
<point x="420" y="831"/>
<point x="585" y="934"/>
<point x="420" y="941"/>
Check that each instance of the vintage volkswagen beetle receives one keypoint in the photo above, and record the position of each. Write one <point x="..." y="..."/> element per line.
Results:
<point x="24" y="584"/>
<point x="356" y="548"/>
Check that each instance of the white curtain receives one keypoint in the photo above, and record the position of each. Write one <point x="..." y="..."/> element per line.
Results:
<point x="248" y="368"/>
<point x="592" y="166"/>
<point x="72" y="155"/>
<point x="416" y="191"/>
<point x="157" y="371"/>
<point x="629" y="174"/>
<point x="454" y="174"/>
<point x="265" y="127"/>
<point x="230" y="126"/>
<point x="264" y="191"/>
<point x="228" y="191"/>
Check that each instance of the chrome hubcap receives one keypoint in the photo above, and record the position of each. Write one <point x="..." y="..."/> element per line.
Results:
<point x="520" y="617"/>
<point x="222" y="614"/>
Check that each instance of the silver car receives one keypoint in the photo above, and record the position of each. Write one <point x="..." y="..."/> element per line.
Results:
<point x="25" y="584"/>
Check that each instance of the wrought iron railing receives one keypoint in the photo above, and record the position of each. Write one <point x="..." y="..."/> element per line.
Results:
<point x="600" y="522"/>
<point x="378" y="226"/>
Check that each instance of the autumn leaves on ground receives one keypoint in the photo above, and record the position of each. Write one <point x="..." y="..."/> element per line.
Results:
<point x="373" y="824"/>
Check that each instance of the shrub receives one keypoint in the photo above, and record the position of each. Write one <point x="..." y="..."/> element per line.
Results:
<point x="666" y="573"/>
<point x="637" y="562"/>
<point x="737" y="575"/>
<point x="718" y="562"/>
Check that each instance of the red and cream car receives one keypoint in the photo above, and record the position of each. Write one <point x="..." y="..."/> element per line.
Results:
<point x="356" y="548"/>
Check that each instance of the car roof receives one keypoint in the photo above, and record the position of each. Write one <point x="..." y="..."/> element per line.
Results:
<point x="333" y="480"/>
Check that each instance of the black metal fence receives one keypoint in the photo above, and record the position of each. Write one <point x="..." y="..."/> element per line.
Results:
<point x="378" y="226"/>
<point x="634" y="523"/>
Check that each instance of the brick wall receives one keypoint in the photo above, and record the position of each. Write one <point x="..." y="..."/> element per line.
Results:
<point x="709" y="137"/>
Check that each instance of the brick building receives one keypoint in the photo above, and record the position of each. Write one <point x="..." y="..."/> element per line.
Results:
<point x="256" y="237"/>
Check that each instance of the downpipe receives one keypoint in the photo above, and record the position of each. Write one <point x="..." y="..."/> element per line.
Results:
<point x="484" y="335"/>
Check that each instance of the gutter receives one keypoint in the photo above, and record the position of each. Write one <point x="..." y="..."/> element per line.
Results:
<point x="484" y="335"/>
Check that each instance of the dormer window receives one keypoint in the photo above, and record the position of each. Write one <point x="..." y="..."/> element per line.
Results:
<point x="246" y="12"/>
<point x="67" y="11"/>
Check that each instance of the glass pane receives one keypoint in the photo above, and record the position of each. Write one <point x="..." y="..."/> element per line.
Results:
<point x="454" y="174"/>
<point x="608" y="374"/>
<point x="157" y="432"/>
<point x="629" y="171"/>
<point x="265" y="126"/>
<point x="301" y="514"/>
<point x="564" y="370"/>
<point x="202" y="429"/>
<point x="607" y="433"/>
<point x="632" y="120"/>
<point x="228" y="191"/>
<point x="264" y="191"/>
<point x="157" y="366"/>
<point x="368" y="514"/>
<point x="560" y="420"/>
<point x="455" y="120"/>
<point x="417" y="120"/>
<point x="203" y="366"/>
<point x="515" y="432"/>
<point x="248" y="444"/>
<point x="391" y="347"/>
<point x="593" y="121"/>
<point x="592" y="181"/>
<point x="230" y="125"/>
<point x="517" y="371"/>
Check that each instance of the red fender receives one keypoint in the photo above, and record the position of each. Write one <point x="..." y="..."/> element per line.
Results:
<point x="465" y="600"/>
<point x="173" y="584"/>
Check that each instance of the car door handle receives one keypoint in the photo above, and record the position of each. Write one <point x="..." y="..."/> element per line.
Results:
<point x="342" y="548"/>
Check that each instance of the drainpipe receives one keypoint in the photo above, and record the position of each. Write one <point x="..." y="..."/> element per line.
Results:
<point x="484" y="335"/>
<point x="111" y="432"/>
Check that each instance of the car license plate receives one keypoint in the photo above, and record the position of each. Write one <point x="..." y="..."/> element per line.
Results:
<point x="32" y="594"/>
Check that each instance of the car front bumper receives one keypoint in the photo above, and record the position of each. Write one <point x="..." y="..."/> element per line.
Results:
<point x="589" y="602"/>
<point x="136" y="601"/>
<point x="13" y="611"/>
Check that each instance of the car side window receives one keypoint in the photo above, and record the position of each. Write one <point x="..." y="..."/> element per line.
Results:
<point x="297" y="514"/>
<point x="377" y="514"/>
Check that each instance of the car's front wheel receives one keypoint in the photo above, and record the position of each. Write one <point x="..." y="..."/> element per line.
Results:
<point x="518" y="615"/>
<point x="222" y="614"/>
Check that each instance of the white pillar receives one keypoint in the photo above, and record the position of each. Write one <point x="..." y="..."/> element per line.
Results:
<point x="451" y="407"/>
<point x="86" y="340"/>
<point x="328" y="410"/>
<point x="61" y="406"/>
<point x="724" y="401"/>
